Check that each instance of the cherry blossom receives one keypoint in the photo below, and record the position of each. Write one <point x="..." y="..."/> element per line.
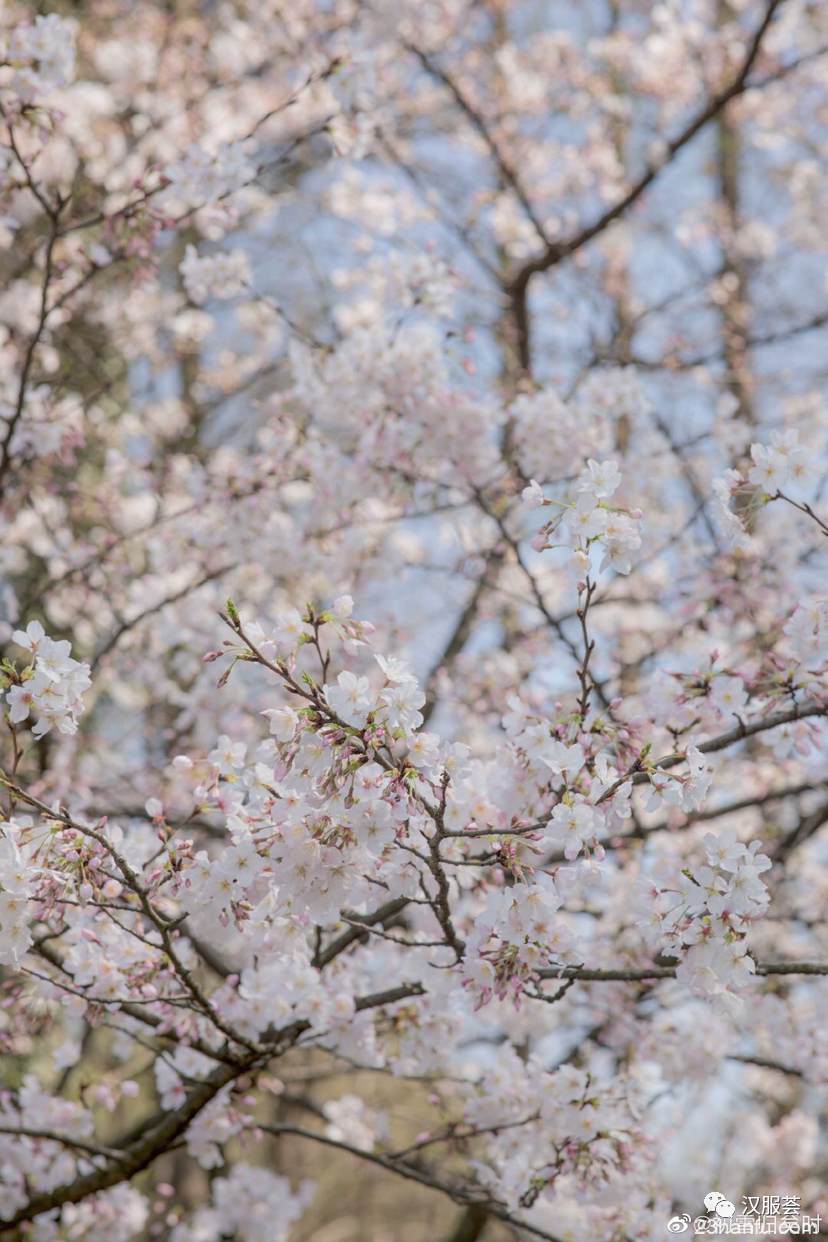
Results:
<point x="415" y="639"/>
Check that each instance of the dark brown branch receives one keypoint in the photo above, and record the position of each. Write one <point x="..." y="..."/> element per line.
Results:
<point x="52" y="1136"/>
<point x="347" y="938"/>
<point x="555" y="252"/>
<point x="638" y="975"/>
<point x="34" y="341"/>
<point x="462" y="630"/>
<point x="139" y="1155"/>
<point x="464" y="1194"/>
<point x="507" y="173"/>
<point x="764" y="1063"/>
<point x="807" y="827"/>
<point x="125" y="626"/>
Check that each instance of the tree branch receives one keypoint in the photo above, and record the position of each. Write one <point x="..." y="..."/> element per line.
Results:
<point x="460" y="1194"/>
<point x="555" y="252"/>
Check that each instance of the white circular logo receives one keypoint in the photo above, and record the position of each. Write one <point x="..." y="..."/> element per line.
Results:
<point x="678" y="1224"/>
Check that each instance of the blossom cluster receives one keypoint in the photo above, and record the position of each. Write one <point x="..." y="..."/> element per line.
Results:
<point x="17" y="887"/>
<point x="784" y="463"/>
<point x="807" y="630"/>
<point x="706" y="697"/>
<point x="252" y="1203"/>
<point x="352" y="1120"/>
<point x="43" y="55"/>
<point x="513" y="935"/>
<point x="220" y="275"/>
<point x="590" y="519"/>
<point x="201" y="178"/>
<point x="52" y="686"/>
<point x="704" y="918"/>
<point x="27" y="1162"/>
<point x="347" y="794"/>
<point x="468" y="851"/>
<point x="52" y="426"/>
<point x="577" y="1133"/>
